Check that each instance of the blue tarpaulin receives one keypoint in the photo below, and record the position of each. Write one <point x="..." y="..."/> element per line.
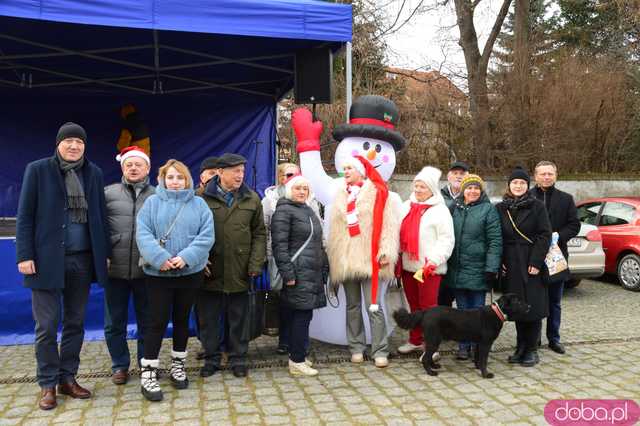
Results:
<point x="204" y="75"/>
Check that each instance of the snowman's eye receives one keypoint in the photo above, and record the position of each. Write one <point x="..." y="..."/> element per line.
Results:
<point x="366" y="146"/>
<point x="378" y="147"/>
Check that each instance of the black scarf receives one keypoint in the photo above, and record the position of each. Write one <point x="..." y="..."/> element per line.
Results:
<point x="76" y="200"/>
<point x="517" y="203"/>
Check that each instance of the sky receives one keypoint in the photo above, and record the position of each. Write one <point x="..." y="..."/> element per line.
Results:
<point x="430" y="39"/>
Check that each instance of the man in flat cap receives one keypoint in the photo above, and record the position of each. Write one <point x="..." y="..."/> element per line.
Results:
<point x="62" y="245"/>
<point x="237" y="257"/>
<point x="208" y="169"/>
<point x="457" y="171"/>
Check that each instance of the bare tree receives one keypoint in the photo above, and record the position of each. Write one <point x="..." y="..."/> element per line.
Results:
<point x="477" y="63"/>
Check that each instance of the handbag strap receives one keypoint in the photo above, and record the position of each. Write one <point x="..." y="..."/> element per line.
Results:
<point x="175" y="219"/>
<point x="306" y="243"/>
<point x="516" y="228"/>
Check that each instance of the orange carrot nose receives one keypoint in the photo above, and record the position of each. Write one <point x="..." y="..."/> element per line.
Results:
<point x="371" y="155"/>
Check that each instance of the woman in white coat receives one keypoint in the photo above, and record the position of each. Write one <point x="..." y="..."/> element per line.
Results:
<point x="426" y="243"/>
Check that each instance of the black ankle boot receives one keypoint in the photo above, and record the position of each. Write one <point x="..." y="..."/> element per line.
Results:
<point x="530" y="358"/>
<point x="516" y="358"/>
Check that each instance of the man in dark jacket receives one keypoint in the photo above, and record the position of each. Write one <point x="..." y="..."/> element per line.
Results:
<point x="62" y="245"/>
<point x="126" y="279"/>
<point x="457" y="172"/>
<point x="564" y="221"/>
<point x="236" y="258"/>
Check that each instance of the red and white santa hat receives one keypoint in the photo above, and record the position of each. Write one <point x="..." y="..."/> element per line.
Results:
<point x="132" y="151"/>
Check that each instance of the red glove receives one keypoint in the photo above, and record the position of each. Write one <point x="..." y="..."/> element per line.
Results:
<point x="428" y="269"/>
<point x="307" y="131"/>
<point x="398" y="268"/>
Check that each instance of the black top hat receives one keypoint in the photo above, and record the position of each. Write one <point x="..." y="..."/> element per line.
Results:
<point x="375" y="117"/>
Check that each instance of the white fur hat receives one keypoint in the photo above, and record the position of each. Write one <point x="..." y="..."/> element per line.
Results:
<point x="356" y="164"/>
<point x="431" y="177"/>
<point x="296" y="180"/>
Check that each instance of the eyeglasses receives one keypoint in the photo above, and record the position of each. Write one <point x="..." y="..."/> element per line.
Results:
<point x="288" y="175"/>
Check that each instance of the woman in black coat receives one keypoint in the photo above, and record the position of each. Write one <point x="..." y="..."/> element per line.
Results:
<point x="526" y="233"/>
<point x="295" y="225"/>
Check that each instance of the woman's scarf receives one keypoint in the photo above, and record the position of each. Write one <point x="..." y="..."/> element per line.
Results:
<point x="410" y="230"/>
<point x="352" y="214"/>
<point x="516" y="203"/>
<point x="76" y="200"/>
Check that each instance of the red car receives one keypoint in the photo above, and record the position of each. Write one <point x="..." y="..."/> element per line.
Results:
<point x="618" y="220"/>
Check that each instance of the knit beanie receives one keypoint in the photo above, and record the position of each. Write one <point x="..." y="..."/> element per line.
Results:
<point x="471" y="180"/>
<point x="71" y="130"/>
<point x="520" y="173"/>
<point x="430" y="176"/>
<point x="296" y="180"/>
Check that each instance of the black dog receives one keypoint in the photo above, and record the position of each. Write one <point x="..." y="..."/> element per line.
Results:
<point x="481" y="326"/>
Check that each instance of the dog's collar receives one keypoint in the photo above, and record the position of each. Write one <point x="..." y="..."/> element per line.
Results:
<point x="501" y="316"/>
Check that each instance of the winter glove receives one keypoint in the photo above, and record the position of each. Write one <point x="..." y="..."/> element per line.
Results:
<point x="307" y="131"/>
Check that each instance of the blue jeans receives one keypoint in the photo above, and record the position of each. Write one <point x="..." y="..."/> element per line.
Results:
<point x="116" y="318"/>
<point x="286" y="323"/>
<point x="555" y="312"/>
<point x="469" y="299"/>
<point x="68" y="305"/>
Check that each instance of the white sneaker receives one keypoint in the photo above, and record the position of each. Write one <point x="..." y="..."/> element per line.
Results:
<point x="381" y="361"/>
<point x="409" y="347"/>
<point x="357" y="358"/>
<point x="435" y="357"/>
<point x="301" y="369"/>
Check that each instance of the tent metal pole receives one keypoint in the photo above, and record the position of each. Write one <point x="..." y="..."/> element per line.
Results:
<point x="234" y="61"/>
<point x="77" y="52"/>
<point x="58" y="54"/>
<point x="221" y="62"/>
<point x="86" y="80"/>
<point x="209" y="85"/>
<point x="348" y="77"/>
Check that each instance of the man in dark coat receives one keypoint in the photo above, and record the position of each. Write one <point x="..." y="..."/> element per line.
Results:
<point x="62" y="245"/>
<point x="124" y="201"/>
<point x="236" y="258"/>
<point x="563" y="216"/>
<point x="457" y="172"/>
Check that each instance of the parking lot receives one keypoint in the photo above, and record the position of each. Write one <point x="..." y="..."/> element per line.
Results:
<point x="601" y="330"/>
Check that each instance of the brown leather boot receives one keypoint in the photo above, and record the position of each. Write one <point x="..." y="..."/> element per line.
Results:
<point x="48" y="399"/>
<point x="74" y="390"/>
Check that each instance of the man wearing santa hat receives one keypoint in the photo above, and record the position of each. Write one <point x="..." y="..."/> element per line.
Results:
<point x="126" y="279"/>
<point x="363" y="248"/>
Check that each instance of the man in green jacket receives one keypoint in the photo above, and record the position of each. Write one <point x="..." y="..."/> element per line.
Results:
<point x="237" y="256"/>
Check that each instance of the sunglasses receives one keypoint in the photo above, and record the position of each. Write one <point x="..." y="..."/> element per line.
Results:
<point x="288" y="175"/>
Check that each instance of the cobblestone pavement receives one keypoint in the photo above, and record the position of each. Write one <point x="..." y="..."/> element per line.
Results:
<point x="601" y="329"/>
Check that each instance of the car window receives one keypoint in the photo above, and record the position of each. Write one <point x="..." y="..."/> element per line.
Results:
<point x="616" y="214"/>
<point x="588" y="213"/>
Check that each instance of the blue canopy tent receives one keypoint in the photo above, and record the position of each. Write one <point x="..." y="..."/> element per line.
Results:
<point x="205" y="77"/>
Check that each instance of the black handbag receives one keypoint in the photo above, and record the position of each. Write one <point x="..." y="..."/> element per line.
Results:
<point x="257" y="302"/>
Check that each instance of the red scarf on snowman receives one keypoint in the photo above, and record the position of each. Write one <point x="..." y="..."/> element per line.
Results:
<point x="382" y="193"/>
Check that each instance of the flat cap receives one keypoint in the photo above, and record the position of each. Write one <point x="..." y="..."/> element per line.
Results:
<point x="459" y="165"/>
<point x="230" y="160"/>
<point x="209" y="163"/>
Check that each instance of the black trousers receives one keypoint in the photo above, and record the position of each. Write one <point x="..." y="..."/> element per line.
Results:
<point x="164" y="303"/>
<point x="67" y="305"/>
<point x="528" y="333"/>
<point x="214" y="305"/>
<point x="299" y="337"/>
<point x="446" y="296"/>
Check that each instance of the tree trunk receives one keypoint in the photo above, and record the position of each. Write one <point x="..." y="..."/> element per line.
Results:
<point x="520" y="75"/>
<point x="477" y="64"/>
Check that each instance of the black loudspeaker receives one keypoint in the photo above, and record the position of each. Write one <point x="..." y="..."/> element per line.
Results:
<point x="314" y="76"/>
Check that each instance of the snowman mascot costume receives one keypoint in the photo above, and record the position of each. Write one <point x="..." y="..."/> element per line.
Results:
<point x="370" y="142"/>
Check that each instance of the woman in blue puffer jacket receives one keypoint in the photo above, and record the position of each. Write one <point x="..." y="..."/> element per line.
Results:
<point x="174" y="234"/>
